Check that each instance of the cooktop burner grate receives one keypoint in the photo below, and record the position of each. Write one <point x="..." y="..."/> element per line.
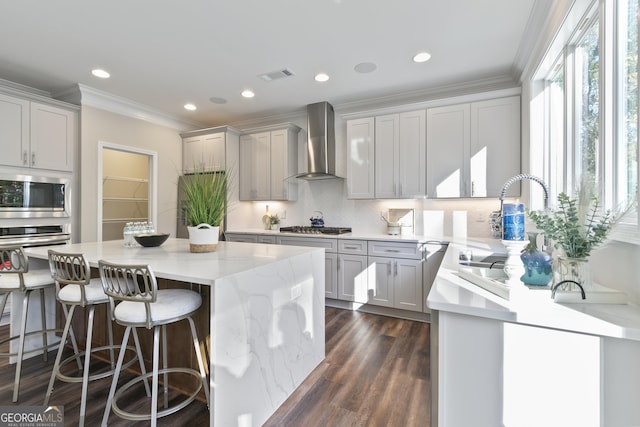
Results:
<point x="305" y="229"/>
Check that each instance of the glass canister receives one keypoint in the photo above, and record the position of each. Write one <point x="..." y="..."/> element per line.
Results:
<point x="513" y="221"/>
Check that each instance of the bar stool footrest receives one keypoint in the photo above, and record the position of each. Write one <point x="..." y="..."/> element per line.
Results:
<point x="97" y="376"/>
<point x="167" y="411"/>
<point x="34" y="350"/>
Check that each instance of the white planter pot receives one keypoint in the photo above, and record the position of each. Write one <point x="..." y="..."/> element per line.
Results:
<point x="203" y="238"/>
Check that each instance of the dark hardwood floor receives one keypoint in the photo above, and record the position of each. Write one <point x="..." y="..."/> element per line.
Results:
<point x="376" y="373"/>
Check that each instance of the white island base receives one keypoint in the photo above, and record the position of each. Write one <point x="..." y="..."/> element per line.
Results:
<point x="266" y="316"/>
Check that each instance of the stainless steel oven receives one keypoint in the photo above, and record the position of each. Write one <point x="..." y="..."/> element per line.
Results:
<point x="34" y="235"/>
<point x="25" y="196"/>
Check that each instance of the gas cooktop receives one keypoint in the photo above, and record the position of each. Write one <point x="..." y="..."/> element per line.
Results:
<point x="305" y="229"/>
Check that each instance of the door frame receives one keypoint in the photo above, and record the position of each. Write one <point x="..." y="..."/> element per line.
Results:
<point x="153" y="179"/>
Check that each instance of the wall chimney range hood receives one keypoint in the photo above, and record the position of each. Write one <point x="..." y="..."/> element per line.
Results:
<point x="321" y="143"/>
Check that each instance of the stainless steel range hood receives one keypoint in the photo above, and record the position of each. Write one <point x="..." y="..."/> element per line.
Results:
<point x="321" y="143"/>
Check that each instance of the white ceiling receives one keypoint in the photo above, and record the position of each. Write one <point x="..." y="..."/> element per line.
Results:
<point x="165" y="53"/>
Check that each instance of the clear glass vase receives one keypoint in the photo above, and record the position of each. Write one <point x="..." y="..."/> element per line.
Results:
<point x="572" y="269"/>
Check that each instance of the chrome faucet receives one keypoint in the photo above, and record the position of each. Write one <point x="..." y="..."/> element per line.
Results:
<point x="496" y="216"/>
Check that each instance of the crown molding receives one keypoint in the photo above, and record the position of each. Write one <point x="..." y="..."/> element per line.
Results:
<point x="87" y="96"/>
<point x="444" y="95"/>
<point x="32" y="94"/>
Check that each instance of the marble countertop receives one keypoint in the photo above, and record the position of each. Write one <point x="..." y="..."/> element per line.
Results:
<point x="532" y="307"/>
<point x="409" y="238"/>
<point x="173" y="260"/>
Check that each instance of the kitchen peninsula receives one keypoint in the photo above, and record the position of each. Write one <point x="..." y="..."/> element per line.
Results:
<point x="529" y="361"/>
<point x="266" y="329"/>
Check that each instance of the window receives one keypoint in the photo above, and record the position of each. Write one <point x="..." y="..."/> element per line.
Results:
<point x="591" y="105"/>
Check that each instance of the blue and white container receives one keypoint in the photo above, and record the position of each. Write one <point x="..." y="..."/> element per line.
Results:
<point x="513" y="221"/>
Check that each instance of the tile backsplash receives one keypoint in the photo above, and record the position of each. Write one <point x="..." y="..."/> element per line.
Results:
<point x="433" y="218"/>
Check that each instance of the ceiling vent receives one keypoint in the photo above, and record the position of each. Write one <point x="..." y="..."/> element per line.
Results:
<point x="278" y="74"/>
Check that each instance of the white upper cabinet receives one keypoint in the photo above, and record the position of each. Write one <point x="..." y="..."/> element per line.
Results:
<point x="448" y="143"/>
<point x="36" y="135"/>
<point x="361" y="158"/>
<point x="268" y="163"/>
<point x="473" y="148"/>
<point x="207" y="149"/>
<point x="400" y="146"/>
<point x="14" y="131"/>
<point x="495" y="146"/>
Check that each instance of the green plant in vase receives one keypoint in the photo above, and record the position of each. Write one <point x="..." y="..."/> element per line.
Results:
<point x="205" y="205"/>
<point x="576" y="227"/>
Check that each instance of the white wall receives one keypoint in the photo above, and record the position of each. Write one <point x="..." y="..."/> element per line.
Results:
<point x="100" y="125"/>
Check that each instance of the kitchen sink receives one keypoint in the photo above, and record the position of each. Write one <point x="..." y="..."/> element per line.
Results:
<point x="490" y="279"/>
<point x="495" y="260"/>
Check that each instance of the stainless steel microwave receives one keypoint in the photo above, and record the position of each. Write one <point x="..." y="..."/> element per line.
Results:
<point x="23" y="196"/>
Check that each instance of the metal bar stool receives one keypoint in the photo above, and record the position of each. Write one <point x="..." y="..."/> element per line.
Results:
<point x="15" y="276"/>
<point x="136" y="302"/>
<point x="75" y="287"/>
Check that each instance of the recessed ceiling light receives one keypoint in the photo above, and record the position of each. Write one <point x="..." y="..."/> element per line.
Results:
<point x="422" y="57"/>
<point x="365" y="67"/>
<point x="321" y="77"/>
<point x="217" y="100"/>
<point x="100" y="73"/>
<point x="248" y="94"/>
<point x="190" y="107"/>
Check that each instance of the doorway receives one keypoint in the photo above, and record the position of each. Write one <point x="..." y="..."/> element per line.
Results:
<point x="127" y="188"/>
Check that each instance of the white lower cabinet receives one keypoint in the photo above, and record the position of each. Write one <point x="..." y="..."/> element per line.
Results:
<point x="395" y="275"/>
<point x="382" y="273"/>
<point x="352" y="278"/>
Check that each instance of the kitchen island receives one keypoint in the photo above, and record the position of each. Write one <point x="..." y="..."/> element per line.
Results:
<point x="266" y="327"/>
<point x="529" y="361"/>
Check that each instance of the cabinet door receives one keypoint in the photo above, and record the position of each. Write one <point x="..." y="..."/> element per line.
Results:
<point x="360" y="158"/>
<point x="214" y="151"/>
<point x="495" y="146"/>
<point x="380" y="281"/>
<point x="447" y="150"/>
<point x="412" y="154"/>
<point x="331" y="276"/>
<point x="279" y="159"/>
<point x="14" y="131"/>
<point x="387" y="156"/>
<point x="193" y="154"/>
<point x="53" y="133"/>
<point x="407" y="284"/>
<point x="255" y="173"/>
<point x="352" y="278"/>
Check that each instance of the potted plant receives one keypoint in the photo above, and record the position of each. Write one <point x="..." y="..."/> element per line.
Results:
<point x="576" y="227"/>
<point x="205" y="205"/>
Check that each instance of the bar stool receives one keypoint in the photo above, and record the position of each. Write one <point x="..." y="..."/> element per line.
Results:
<point x="15" y="276"/>
<point x="136" y="302"/>
<point x="75" y="287"/>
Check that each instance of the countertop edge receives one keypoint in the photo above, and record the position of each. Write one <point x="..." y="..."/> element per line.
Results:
<point x="451" y="293"/>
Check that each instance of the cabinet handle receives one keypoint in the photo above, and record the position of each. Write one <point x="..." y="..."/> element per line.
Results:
<point x="389" y="269"/>
<point x="395" y="265"/>
<point x="25" y="158"/>
<point x="33" y="159"/>
<point x="473" y="188"/>
<point x="392" y="250"/>
<point x="351" y="247"/>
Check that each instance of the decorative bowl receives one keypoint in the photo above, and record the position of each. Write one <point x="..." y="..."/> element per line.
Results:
<point x="150" y="240"/>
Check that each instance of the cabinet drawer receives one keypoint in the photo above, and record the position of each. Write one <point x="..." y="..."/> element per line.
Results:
<point x="266" y="239"/>
<point x="394" y="249"/>
<point x="330" y="245"/>
<point x="355" y="247"/>
<point x="241" y="237"/>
